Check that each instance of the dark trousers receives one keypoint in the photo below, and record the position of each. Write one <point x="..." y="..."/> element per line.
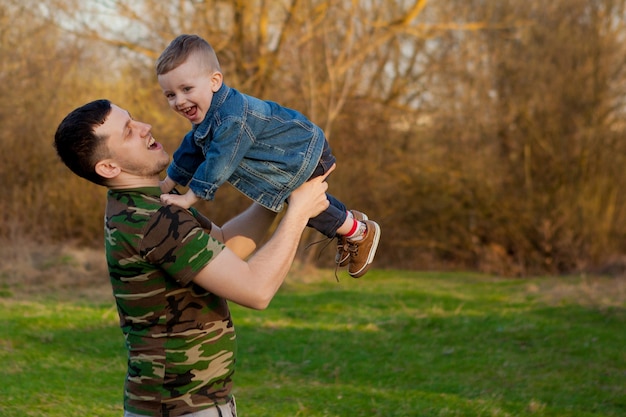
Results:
<point x="328" y="221"/>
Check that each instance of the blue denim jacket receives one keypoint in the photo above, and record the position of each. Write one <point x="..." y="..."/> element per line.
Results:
<point x="261" y="148"/>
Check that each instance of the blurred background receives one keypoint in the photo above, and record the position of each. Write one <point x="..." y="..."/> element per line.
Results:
<point x="483" y="135"/>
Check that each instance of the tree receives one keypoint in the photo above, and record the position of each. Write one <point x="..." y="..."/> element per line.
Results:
<point x="480" y="134"/>
<point x="538" y="106"/>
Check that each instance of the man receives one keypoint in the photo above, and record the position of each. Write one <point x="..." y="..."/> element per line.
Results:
<point x="172" y="270"/>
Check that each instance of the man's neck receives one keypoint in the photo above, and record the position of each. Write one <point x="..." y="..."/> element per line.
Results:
<point x="133" y="182"/>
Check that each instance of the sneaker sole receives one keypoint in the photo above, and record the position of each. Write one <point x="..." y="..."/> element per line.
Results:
<point x="370" y="257"/>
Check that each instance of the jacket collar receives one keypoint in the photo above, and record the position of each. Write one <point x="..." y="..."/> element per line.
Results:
<point x="220" y="96"/>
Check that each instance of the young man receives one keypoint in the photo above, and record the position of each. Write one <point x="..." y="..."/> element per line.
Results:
<point x="172" y="270"/>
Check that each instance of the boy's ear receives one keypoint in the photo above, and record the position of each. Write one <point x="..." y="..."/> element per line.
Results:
<point x="216" y="81"/>
<point x="107" y="168"/>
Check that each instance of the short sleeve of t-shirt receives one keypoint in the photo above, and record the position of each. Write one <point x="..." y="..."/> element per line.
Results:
<point x="175" y="240"/>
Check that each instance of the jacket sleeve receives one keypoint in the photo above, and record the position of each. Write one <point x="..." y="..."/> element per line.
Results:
<point x="229" y="144"/>
<point x="185" y="161"/>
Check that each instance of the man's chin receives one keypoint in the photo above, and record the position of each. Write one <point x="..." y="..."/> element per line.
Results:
<point x="163" y="167"/>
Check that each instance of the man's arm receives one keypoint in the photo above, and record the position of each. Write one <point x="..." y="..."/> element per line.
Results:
<point x="255" y="282"/>
<point x="244" y="233"/>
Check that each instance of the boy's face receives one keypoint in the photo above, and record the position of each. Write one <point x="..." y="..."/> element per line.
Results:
<point x="189" y="88"/>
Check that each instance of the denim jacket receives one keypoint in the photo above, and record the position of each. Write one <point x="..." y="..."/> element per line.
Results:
<point x="261" y="148"/>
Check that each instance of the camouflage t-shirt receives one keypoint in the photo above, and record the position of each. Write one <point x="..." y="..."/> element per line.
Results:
<point x="180" y="338"/>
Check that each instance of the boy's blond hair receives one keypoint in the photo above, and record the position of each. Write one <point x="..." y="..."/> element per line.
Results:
<point x="181" y="48"/>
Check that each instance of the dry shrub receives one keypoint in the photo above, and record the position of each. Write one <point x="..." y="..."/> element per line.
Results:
<point x="33" y="269"/>
<point x="598" y="292"/>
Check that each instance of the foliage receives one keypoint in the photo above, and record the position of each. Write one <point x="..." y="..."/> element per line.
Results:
<point x="483" y="135"/>
<point x="397" y="344"/>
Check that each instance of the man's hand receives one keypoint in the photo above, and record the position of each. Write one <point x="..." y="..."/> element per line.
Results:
<point x="255" y="282"/>
<point x="310" y="198"/>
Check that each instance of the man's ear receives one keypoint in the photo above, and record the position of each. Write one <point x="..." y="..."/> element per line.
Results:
<point x="216" y="81"/>
<point x="107" y="168"/>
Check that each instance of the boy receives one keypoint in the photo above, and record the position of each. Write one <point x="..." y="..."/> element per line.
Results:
<point x="261" y="148"/>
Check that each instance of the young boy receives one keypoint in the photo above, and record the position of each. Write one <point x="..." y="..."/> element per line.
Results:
<point x="261" y="148"/>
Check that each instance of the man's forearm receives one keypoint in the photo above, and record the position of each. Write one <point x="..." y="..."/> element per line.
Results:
<point x="254" y="283"/>
<point x="272" y="262"/>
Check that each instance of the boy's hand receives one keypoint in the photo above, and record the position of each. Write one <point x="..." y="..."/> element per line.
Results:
<point x="185" y="201"/>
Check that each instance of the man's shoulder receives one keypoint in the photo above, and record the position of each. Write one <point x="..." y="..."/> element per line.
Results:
<point x="140" y="223"/>
<point x="139" y="207"/>
<point x="132" y="204"/>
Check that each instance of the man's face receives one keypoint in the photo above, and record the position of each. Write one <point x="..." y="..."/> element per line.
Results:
<point x="189" y="88"/>
<point x="131" y="145"/>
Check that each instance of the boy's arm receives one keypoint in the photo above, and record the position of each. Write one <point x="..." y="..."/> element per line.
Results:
<point x="185" y="160"/>
<point x="229" y="144"/>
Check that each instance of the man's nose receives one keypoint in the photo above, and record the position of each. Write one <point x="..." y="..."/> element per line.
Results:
<point x="144" y="128"/>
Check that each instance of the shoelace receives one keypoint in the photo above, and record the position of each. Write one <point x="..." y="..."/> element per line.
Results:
<point x="327" y="240"/>
<point x="317" y="242"/>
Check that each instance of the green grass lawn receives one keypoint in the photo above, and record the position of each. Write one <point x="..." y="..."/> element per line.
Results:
<point x="393" y="343"/>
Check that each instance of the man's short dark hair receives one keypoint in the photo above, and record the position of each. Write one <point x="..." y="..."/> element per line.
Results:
<point x="76" y="142"/>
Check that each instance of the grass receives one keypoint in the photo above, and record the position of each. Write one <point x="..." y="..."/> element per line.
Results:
<point x="393" y="343"/>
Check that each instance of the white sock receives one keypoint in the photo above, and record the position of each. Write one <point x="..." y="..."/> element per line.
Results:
<point x="359" y="233"/>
